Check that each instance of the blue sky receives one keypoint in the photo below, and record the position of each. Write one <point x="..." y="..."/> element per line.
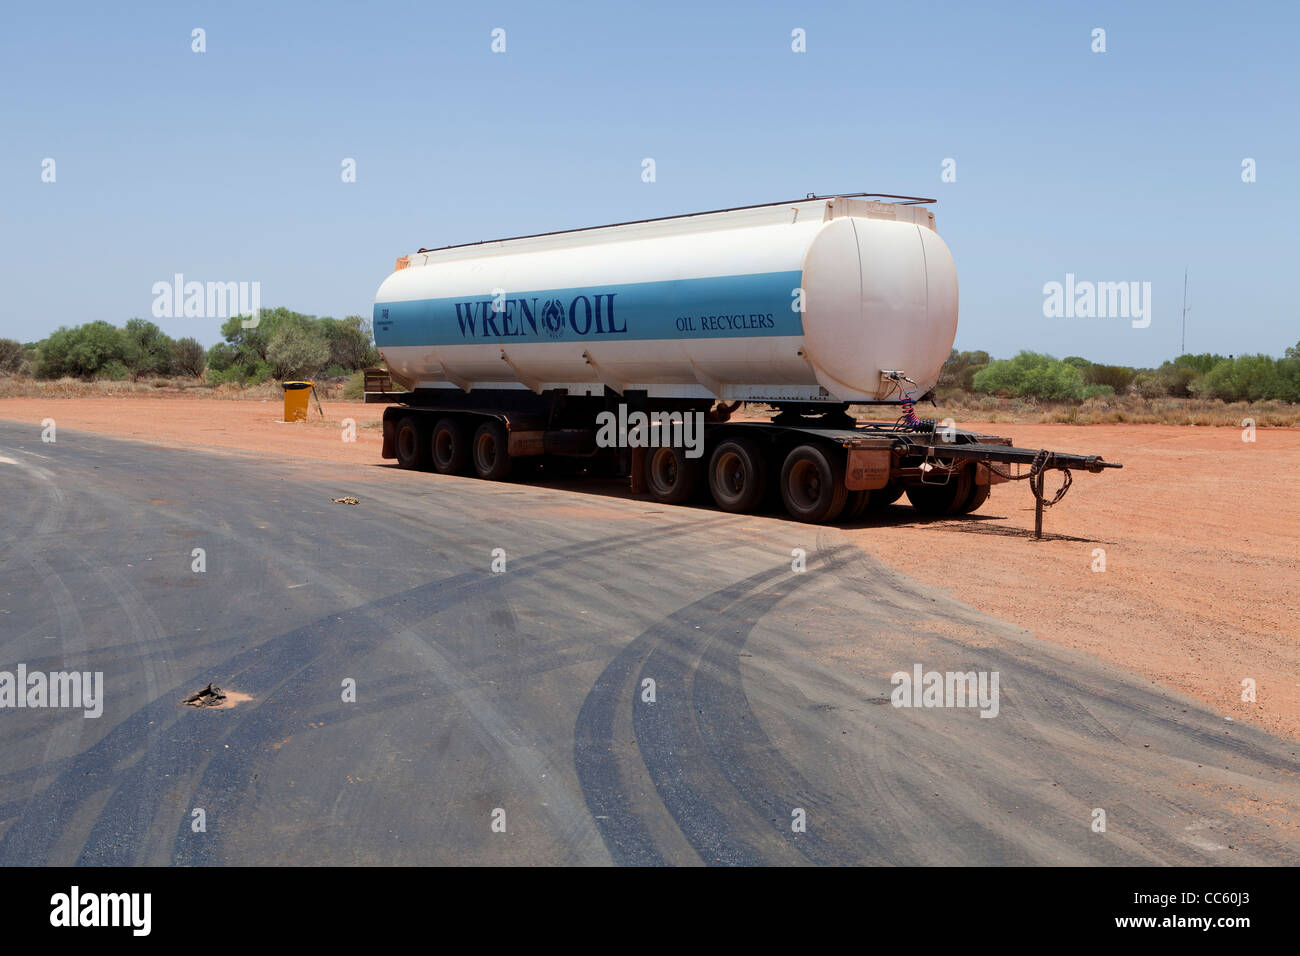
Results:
<point x="225" y="165"/>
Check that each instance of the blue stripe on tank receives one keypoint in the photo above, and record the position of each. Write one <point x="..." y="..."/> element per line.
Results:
<point x="716" y="307"/>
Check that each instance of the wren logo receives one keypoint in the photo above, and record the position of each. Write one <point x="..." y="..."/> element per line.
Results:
<point x="102" y="909"/>
<point x="950" y="689"/>
<point x="531" y="317"/>
<point x="55" y="689"/>
<point x="638" y="430"/>
<point x="1098" y="300"/>
<point x="553" y="318"/>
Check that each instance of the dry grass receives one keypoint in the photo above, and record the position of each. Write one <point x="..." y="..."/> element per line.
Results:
<point x="1129" y="409"/>
<point x="14" y="386"/>
<point x="960" y="406"/>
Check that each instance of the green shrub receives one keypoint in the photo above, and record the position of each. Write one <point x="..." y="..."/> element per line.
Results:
<point x="114" y="371"/>
<point x="79" y="352"/>
<point x="1098" y="391"/>
<point x="1117" y="377"/>
<point x="354" y="389"/>
<point x="145" y="349"/>
<point x="1031" y="375"/>
<point x="188" y="357"/>
<point x="1246" y="378"/>
<point x="221" y="356"/>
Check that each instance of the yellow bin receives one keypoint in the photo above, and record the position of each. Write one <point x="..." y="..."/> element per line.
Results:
<point x="295" y="400"/>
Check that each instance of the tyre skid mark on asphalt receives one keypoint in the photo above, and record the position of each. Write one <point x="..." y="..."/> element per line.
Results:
<point x="145" y="627"/>
<point x="71" y="631"/>
<point x="46" y="521"/>
<point x="29" y="840"/>
<point x="160" y="712"/>
<point x="749" y="760"/>
<point x="124" y="803"/>
<point x="399" y="615"/>
<point x="697" y="791"/>
<point x="702" y="754"/>
<point x="146" y="633"/>
<point x="75" y="783"/>
<point x="606" y="782"/>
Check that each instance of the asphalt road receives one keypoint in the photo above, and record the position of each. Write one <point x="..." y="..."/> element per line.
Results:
<point x="519" y="697"/>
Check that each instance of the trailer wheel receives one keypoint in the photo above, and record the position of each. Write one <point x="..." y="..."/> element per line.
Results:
<point x="410" y="443"/>
<point x="856" y="505"/>
<point x="947" y="499"/>
<point x="491" y="451"/>
<point x="737" y="475"/>
<point x="449" y="452"/>
<point x="978" y="495"/>
<point x="670" y="476"/>
<point x="812" y="485"/>
<point x="886" y="496"/>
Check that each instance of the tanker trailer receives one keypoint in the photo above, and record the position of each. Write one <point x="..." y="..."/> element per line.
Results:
<point x="629" y="346"/>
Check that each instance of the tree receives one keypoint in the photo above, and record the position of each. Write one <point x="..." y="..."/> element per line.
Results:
<point x="145" y="348"/>
<point x="350" y="341"/>
<point x="252" y="346"/>
<point x="83" y="351"/>
<point x="188" y="357"/>
<point x="297" y="349"/>
<point x="1202" y="362"/>
<point x="1288" y="375"/>
<point x="12" y="356"/>
<point x="960" y="369"/>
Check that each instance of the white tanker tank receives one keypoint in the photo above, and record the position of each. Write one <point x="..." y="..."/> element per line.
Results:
<point x="813" y="300"/>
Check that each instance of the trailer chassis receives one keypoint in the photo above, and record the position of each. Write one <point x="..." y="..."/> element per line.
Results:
<point x="920" y="459"/>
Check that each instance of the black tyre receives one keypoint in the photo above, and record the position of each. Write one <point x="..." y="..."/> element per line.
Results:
<point x="449" y="449"/>
<point x="947" y="499"/>
<point x="812" y="485"/>
<point x="411" y="443"/>
<point x="491" y="451"/>
<point x="670" y="476"/>
<point x="884" y="497"/>
<point x="978" y="495"/>
<point x="856" y="505"/>
<point x="737" y="475"/>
